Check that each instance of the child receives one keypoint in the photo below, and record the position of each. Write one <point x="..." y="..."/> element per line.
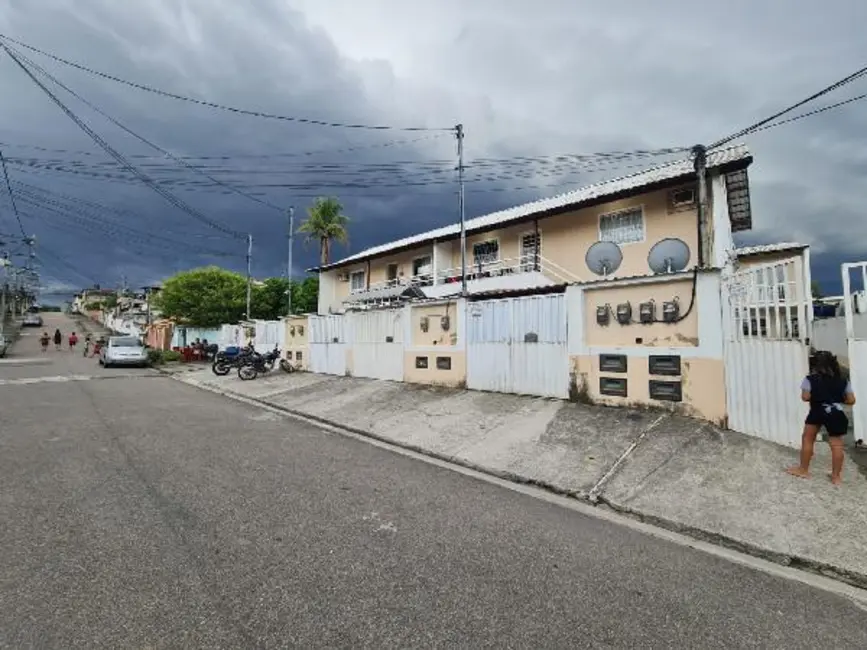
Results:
<point x="826" y="390"/>
<point x="44" y="340"/>
<point x="87" y="343"/>
<point x="73" y="340"/>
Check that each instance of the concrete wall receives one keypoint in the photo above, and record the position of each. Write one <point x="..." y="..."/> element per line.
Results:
<point x="441" y="349"/>
<point x="830" y="334"/>
<point x="297" y="343"/>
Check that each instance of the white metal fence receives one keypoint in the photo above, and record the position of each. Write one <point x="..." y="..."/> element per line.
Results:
<point x="765" y="327"/>
<point x="269" y="333"/>
<point x="856" y="344"/>
<point x="328" y="344"/>
<point x="378" y="343"/>
<point x="518" y="345"/>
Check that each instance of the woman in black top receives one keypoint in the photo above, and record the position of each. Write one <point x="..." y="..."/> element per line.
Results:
<point x="827" y="391"/>
<point x="58" y="339"/>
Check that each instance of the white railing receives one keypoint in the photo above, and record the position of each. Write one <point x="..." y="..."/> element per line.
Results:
<point x="496" y="268"/>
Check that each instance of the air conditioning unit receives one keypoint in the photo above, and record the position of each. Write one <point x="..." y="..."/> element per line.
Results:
<point x="343" y="277"/>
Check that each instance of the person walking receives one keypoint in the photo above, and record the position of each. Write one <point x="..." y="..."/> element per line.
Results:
<point x="73" y="340"/>
<point x="826" y="390"/>
<point x="44" y="340"/>
<point x="87" y="343"/>
<point x="58" y="339"/>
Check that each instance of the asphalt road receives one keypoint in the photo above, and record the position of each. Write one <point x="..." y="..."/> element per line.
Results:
<point x="138" y="512"/>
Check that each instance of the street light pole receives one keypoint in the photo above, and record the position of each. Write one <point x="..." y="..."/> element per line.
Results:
<point x="249" y="273"/>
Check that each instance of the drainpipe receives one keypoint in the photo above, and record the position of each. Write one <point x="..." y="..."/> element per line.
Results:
<point x="536" y="259"/>
<point x="699" y="152"/>
<point x="367" y="276"/>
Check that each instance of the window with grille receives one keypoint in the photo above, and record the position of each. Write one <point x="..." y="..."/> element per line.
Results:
<point x="531" y="247"/>
<point x="623" y="227"/>
<point x="356" y="281"/>
<point x="486" y="252"/>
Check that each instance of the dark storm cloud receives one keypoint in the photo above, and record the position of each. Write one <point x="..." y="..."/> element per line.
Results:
<point x="524" y="82"/>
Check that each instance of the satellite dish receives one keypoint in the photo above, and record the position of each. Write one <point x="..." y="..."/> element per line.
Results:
<point x="604" y="258"/>
<point x="668" y="255"/>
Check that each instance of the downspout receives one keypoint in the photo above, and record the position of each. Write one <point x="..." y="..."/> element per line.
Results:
<point x="367" y="276"/>
<point x="537" y="266"/>
<point x="699" y="152"/>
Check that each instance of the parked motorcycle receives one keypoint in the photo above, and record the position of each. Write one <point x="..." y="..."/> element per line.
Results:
<point x="258" y="364"/>
<point x="231" y="357"/>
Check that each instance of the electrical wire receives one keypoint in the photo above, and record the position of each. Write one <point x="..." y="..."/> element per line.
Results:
<point x="11" y="195"/>
<point x="818" y="111"/>
<point x="177" y="202"/>
<point x="753" y="128"/>
<point x="222" y="107"/>
<point x="147" y="142"/>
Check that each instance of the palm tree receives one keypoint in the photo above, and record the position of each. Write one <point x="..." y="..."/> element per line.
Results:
<point x="325" y="223"/>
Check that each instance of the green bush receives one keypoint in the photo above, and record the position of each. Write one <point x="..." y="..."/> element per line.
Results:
<point x="158" y="357"/>
<point x="171" y="355"/>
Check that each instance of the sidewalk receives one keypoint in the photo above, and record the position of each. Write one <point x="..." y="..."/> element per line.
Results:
<point x="683" y="474"/>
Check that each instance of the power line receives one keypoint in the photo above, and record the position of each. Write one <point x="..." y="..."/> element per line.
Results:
<point x="11" y="195"/>
<point x="768" y="120"/>
<point x="120" y="159"/>
<point x="148" y="142"/>
<point x="222" y="107"/>
<point x="811" y="113"/>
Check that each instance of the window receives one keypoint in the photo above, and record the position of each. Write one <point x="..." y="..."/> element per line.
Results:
<point x="624" y="227"/>
<point x="421" y="265"/>
<point x="531" y="247"/>
<point x="299" y="356"/>
<point x="356" y="281"/>
<point x="391" y="273"/>
<point x="486" y="252"/>
<point x="681" y="199"/>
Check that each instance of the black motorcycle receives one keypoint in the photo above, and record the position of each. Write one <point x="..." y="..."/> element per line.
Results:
<point x="231" y="357"/>
<point x="258" y="364"/>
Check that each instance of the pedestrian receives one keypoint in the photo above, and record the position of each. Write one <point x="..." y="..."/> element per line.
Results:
<point x="826" y="390"/>
<point x="58" y="339"/>
<point x="87" y="343"/>
<point x="73" y="340"/>
<point x="44" y="340"/>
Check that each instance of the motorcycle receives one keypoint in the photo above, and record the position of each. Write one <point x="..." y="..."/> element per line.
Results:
<point x="257" y="364"/>
<point x="229" y="358"/>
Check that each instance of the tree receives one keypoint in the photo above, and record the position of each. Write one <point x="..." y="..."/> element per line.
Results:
<point x="203" y="297"/>
<point x="816" y="290"/>
<point x="110" y="302"/>
<point x="325" y="223"/>
<point x="270" y="300"/>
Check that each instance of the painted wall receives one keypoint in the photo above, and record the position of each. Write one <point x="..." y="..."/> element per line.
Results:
<point x="682" y="334"/>
<point x="442" y="349"/>
<point x="435" y="335"/>
<point x="184" y="336"/>
<point x="297" y="339"/>
<point x="455" y="376"/>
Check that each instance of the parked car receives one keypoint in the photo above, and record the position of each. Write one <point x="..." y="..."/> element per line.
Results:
<point x="32" y="319"/>
<point x="4" y="345"/>
<point x="123" y="351"/>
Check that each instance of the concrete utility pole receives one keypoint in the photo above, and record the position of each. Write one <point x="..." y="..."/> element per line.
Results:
<point x="291" y="237"/>
<point x="4" y="262"/>
<point x="699" y="152"/>
<point x="249" y="273"/>
<point x="459" y="132"/>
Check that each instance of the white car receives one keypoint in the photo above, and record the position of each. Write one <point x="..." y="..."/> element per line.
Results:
<point x="123" y="351"/>
<point x="4" y="345"/>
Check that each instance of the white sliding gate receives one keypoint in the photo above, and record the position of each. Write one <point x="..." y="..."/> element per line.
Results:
<point x="856" y="344"/>
<point x="765" y="328"/>
<point x="377" y="343"/>
<point x="518" y="345"/>
<point x="328" y="344"/>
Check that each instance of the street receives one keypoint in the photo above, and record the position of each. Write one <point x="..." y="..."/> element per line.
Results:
<point x="141" y="512"/>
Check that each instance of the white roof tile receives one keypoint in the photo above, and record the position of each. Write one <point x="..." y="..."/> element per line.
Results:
<point x="779" y="247"/>
<point x="651" y="176"/>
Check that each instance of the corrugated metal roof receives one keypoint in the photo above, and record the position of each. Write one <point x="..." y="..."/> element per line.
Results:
<point x="669" y="171"/>
<point x="780" y="247"/>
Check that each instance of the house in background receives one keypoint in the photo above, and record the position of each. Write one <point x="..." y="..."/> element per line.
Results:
<point x="544" y="243"/>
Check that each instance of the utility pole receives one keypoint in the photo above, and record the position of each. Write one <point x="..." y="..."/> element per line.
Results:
<point x="4" y="262"/>
<point x="249" y="273"/>
<point x="699" y="152"/>
<point x="459" y="132"/>
<point x="291" y="238"/>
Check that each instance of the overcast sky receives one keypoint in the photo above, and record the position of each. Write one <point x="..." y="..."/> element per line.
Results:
<point x="528" y="79"/>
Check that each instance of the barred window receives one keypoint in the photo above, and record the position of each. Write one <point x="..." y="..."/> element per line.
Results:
<point x="623" y="227"/>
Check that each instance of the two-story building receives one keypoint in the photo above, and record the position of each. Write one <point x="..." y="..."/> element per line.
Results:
<point x="545" y="242"/>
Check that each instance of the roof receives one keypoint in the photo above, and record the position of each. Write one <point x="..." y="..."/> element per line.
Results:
<point x="764" y="249"/>
<point x="734" y="155"/>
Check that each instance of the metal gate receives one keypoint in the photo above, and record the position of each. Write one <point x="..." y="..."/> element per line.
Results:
<point x="856" y="343"/>
<point x="518" y="345"/>
<point x="765" y="328"/>
<point x="377" y="344"/>
<point x="328" y="344"/>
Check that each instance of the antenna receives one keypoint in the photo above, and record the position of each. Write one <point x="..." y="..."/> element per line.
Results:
<point x="669" y="255"/>
<point x="604" y="258"/>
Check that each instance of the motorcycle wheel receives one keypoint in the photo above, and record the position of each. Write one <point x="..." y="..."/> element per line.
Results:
<point x="246" y="373"/>
<point x="220" y="368"/>
<point x="285" y="366"/>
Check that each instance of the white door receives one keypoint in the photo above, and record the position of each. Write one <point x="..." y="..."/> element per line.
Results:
<point x="856" y="344"/>
<point x="377" y="344"/>
<point x="327" y="344"/>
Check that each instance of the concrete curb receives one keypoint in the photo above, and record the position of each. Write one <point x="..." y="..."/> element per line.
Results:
<point x="841" y="574"/>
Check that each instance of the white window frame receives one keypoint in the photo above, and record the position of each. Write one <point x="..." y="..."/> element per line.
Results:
<point x="429" y="273"/>
<point x="489" y="240"/>
<point x="636" y="208"/>
<point x="527" y="261"/>
<point x="355" y="274"/>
